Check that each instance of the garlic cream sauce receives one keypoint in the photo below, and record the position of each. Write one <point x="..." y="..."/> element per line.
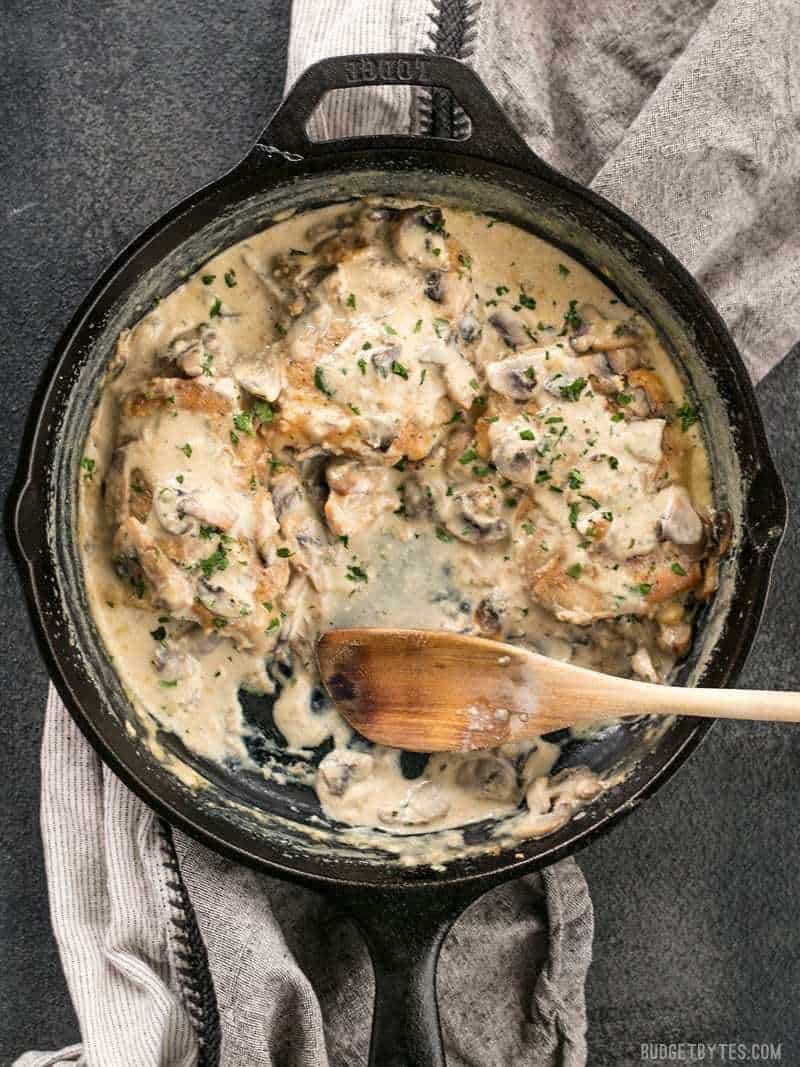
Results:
<point x="389" y="414"/>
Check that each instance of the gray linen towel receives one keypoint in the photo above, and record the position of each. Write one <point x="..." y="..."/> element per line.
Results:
<point x="684" y="112"/>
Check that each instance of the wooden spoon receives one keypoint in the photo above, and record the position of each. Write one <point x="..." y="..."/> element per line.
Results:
<point x="432" y="691"/>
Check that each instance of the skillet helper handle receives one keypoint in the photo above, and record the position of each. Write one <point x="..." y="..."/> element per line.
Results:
<point x="404" y="932"/>
<point x="492" y="135"/>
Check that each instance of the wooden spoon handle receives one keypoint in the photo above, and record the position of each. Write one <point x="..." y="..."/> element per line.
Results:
<point x="717" y="703"/>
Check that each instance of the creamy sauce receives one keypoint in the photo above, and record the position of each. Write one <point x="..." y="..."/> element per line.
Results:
<point x="386" y="414"/>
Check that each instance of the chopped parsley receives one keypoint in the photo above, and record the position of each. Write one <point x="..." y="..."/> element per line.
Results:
<point x="362" y="364"/>
<point x="443" y="535"/>
<point x="354" y="409"/>
<point x="243" y="420"/>
<point x="572" y="319"/>
<point x="613" y="462"/>
<point x="273" y="625"/>
<point x="688" y="416"/>
<point x="624" y="399"/>
<point x="644" y="588"/>
<point x="216" y="308"/>
<point x="207" y="279"/>
<point x="390" y="329"/>
<point x="423" y="374"/>
<point x="526" y="301"/>
<point x="187" y="450"/>
<point x="501" y="290"/>
<point x="417" y="325"/>
<point x="234" y="438"/>
<point x="528" y="528"/>
<point x="284" y="553"/>
<point x="351" y="300"/>
<point x="230" y="278"/>
<point x="465" y="261"/>
<point x="541" y="477"/>
<point x="574" y="571"/>
<point x="159" y="634"/>
<point x="207" y="532"/>
<point x="527" y="435"/>
<point x="468" y="457"/>
<point x="399" y="370"/>
<point x="356" y="573"/>
<point x="319" y="382"/>
<point x="678" y="569"/>
<point x="219" y="624"/>
<point x="88" y="466"/>
<point x="575" y="479"/>
<point x="263" y="410"/>
<point x="562" y="270"/>
<point x="574" y="512"/>
<point x="217" y="561"/>
<point x="617" y="417"/>
<point x="573" y="391"/>
<point x="169" y="684"/>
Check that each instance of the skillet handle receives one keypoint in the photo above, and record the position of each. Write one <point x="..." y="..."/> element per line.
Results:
<point x="404" y="932"/>
<point x="492" y="135"/>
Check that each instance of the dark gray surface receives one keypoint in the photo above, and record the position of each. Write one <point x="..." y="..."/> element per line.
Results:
<point x="109" y="114"/>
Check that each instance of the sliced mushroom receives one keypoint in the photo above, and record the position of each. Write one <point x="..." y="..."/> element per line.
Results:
<point x="514" y="378"/>
<point x="474" y="516"/>
<point x="622" y="360"/>
<point x="680" y="523"/>
<point x="510" y="329"/>
<point x="423" y="803"/>
<point x="226" y="596"/>
<point x="418" y="238"/>
<point x="514" y="457"/>
<point x="417" y="500"/>
<point x="383" y="358"/>
<point x="341" y="768"/>
<point x="601" y="334"/>
<point x="264" y="377"/>
<point x="175" y="665"/>
<point x="194" y="351"/>
<point x="469" y="327"/>
<point x="167" y="502"/>
<point x="490" y="777"/>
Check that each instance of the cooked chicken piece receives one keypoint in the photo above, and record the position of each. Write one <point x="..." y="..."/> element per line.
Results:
<point x="359" y="496"/>
<point x="167" y="585"/>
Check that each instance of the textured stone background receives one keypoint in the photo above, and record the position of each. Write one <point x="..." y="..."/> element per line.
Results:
<point x="109" y="114"/>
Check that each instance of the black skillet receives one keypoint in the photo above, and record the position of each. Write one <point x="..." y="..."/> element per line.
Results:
<point x="404" y="912"/>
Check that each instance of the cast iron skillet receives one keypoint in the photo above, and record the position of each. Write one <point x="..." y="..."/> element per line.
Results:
<point x="403" y="911"/>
